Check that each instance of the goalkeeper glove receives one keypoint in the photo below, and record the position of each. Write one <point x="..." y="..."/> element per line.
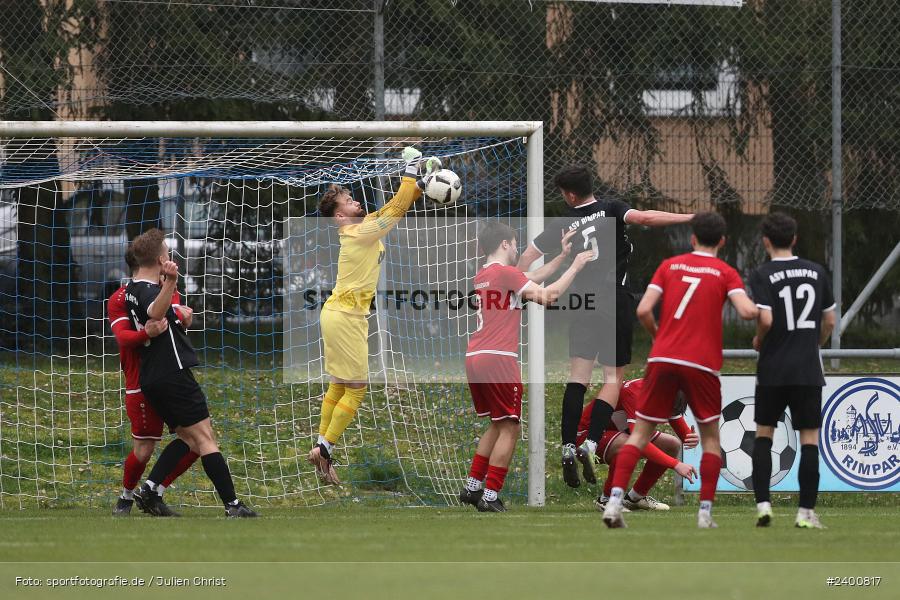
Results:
<point x="414" y="163"/>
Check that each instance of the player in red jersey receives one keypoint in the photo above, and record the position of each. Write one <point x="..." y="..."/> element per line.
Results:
<point x="686" y="356"/>
<point x="146" y="425"/>
<point x="661" y="451"/>
<point x="492" y="365"/>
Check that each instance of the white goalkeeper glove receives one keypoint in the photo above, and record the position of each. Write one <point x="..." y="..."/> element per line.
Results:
<point x="415" y="164"/>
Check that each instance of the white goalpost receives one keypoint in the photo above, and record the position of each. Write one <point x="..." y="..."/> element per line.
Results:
<point x="224" y="193"/>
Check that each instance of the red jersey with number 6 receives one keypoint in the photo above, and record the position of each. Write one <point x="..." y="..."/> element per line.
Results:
<point x="498" y="291"/>
<point x="694" y="288"/>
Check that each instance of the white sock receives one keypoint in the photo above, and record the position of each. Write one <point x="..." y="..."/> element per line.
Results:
<point x="590" y="446"/>
<point x="803" y="513"/>
<point x="760" y="506"/>
<point x="160" y="489"/>
<point x="150" y="484"/>
<point x="706" y="506"/>
<point x="489" y="495"/>
<point x="634" y="496"/>
<point x="616" y="494"/>
<point x="321" y="440"/>
<point x="473" y="485"/>
<point x="127" y="494"/>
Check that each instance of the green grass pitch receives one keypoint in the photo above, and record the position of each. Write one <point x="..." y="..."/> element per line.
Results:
<point x="373" y="548"/>
<point x="367" y="552"/>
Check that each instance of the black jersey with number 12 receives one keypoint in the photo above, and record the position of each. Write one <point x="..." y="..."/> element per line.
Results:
<point x="797" y="291"/>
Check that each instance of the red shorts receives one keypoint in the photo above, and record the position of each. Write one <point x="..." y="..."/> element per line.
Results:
<point x="145" y="423"/>
<point x="661" y="384"/>
<point x="496" y="385"/>
<point x="606" y="441"/>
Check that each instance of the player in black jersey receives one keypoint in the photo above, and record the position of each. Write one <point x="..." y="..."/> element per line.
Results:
<point x="588" y="328"/>
<point x="796" y="317"/>
<point x="167" y="381"/>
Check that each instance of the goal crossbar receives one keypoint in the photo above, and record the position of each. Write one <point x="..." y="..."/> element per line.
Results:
<point x="262" y="129"/>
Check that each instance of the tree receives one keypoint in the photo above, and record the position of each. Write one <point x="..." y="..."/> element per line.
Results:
<point x="38" y="37"/>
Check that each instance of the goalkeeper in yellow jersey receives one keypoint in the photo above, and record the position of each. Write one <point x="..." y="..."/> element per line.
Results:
<point x="345" y="328"/>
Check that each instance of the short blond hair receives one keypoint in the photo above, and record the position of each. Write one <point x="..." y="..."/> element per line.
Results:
<point x="148" y="246"/>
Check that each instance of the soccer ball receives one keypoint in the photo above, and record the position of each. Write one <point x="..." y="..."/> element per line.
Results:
<point x="443" y="187"/>
<point x="737" y="432"/>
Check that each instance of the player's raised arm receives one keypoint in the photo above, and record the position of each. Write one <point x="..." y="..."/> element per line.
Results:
<point x="377" y="224"/>
<point x="541" y="274"/>
<point x="163" y="302"/>
<point x="655" y="218"/>
<point x="548" y="295"/>
<point x="528" y="257"/>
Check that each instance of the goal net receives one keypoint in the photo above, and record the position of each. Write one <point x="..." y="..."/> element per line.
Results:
<point x="239" y="215"/>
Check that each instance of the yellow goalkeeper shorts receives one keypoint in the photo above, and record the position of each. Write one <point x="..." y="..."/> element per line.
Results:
<point x="345" y="336"/>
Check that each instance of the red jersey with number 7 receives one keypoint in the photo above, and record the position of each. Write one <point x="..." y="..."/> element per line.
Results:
<point x="498" y="292"/>
<point x="694" y="288"/>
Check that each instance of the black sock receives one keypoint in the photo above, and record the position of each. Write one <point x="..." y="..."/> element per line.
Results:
<point x="808" y="475"/>
<point x="762" y="468"/>
<point x="217" y="470"/>
<point x="168" y="460"/>
<point x="573" y="404"/>
<point x="600" y="416"/>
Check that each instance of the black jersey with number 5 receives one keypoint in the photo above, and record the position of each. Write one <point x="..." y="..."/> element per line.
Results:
<point x="797" y="291"/>
<point x="583" y="218"/>
<point x="168" y="352"/>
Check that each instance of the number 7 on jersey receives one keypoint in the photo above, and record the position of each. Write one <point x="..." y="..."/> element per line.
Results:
<point x="692" y="282"/>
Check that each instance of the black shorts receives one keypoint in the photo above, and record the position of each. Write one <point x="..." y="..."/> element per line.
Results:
<point x="590" y="332"/>
<point x="805" y="402"/>
<point x="178" y="399"/>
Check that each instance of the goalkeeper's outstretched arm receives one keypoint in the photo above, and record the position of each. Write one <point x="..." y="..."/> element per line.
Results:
<point x="377" y="224"/>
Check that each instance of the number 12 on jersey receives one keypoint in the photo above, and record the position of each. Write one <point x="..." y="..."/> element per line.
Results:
<point x="804" y="291"/>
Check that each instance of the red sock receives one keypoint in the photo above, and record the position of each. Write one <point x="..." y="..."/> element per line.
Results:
<point x="648" y="477"/>
<point x="133" y="471"/>
<point x="479" y="467"/>
<point x="710" y="466"/>
<point x="607" y="485"/>
<point x="626" y="461"/>
<point x="186" y="461"/>
<point x="495" y="478"/>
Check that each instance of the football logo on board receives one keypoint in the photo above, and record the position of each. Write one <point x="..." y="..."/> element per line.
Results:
<point x="860" y="434"/>
<point x="737" y="430"/>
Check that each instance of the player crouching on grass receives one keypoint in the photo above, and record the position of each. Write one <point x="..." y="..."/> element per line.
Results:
<point x="661" y="451"/>
<point x="492" y="366"/>
<point x="167" y="381"/>
<point x="686" y="356"/>
<point x="146" y="426"/>
<point x="345" y="329"/>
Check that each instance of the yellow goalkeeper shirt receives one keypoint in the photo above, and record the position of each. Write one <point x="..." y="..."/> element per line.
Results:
<point x="359" y="261"/>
